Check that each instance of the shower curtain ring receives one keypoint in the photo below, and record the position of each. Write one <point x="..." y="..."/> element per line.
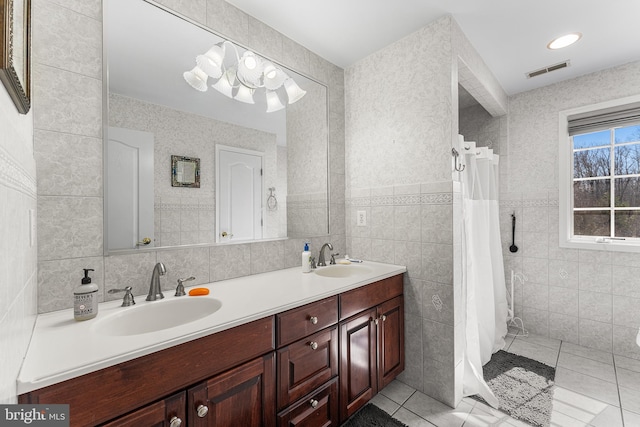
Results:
<point x="459" y="167"/>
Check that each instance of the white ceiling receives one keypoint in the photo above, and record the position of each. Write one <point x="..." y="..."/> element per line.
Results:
<point x="510" y="35"/>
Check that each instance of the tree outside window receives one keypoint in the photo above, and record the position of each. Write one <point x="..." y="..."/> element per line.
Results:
<point x="606" y="183"/>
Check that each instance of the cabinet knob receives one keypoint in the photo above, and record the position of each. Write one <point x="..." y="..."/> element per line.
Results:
<point x="313" y="320"/>
<point x="383" y="318"/>
<point x="313" y="403"/>
<point x="202" y="411"/>
<point x="175" y="422"/>
<point x="313" y="345"/>
<point x="375" y="321"/>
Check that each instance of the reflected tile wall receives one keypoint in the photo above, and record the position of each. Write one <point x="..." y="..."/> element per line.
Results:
<point x="67" y="121"/>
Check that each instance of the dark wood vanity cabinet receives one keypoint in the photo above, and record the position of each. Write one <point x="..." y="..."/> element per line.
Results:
<point x="311" y="366"/>
<point x="140" y="384"/>
<point x="243" y="396"/>
<point x="308" y="367"/>
<point x="371" y="342"/>
<point x="169" y="412"/>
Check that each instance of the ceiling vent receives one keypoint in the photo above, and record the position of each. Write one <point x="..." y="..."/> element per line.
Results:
<point x="548" y="69"/>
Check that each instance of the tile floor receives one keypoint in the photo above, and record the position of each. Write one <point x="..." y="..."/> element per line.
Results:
<point x="592" y="388"/>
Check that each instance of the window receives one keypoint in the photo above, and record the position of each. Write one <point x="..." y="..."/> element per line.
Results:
<point x="606" y="183"/>
<point x="600" y="178"/>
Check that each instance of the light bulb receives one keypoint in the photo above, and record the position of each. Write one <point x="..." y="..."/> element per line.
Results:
<point x="564" y="41"/>
<point x="273" y="77"/>
<point x="250" y="70"/>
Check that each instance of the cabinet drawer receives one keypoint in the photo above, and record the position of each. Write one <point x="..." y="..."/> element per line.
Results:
<point x="353" y="302"/>
<point x="319" y="409"/>
<point x="306" y="364"/>
<point x="295" y="324"/>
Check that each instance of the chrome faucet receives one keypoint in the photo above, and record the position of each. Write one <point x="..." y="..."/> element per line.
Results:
<point x="321" y="262"/>
<point x="155" y="290"/>
<point x="180" y="288"/>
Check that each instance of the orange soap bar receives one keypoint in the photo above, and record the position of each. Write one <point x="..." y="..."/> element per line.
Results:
<point x="198" y="291"/>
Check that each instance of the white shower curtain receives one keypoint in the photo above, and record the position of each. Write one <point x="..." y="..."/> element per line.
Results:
<point x="483" y="272"/>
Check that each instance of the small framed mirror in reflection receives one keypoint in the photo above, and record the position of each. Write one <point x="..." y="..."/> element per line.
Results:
<point x="185" y="172"/>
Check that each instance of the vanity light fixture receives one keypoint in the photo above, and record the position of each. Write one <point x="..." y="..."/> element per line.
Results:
<point x="564" y="41"/>
<point x="241" y="77"/>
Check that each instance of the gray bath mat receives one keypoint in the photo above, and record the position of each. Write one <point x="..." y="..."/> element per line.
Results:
<point x="372" y="416"/>
<point x="524" y="387"/>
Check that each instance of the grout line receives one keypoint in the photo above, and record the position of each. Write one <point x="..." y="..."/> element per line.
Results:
<point x="615" y="370"/>
<point x="407" y="399"/>
<point x="418" y="415"/>
<point x="591" y="376"/>
<point x="558" y="357"/>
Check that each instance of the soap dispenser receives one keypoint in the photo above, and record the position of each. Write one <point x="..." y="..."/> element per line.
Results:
<point x="85" y="298"/>
<point x="306" y="259"/>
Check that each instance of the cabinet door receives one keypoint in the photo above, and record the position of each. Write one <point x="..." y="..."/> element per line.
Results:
<point x="243" y="396"/>
<point x="169" y="412"/>
<point x="358" y="373"/>
<point x="390" y="340"/>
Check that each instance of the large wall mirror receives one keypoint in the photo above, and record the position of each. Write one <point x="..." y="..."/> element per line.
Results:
<point x="262" y="175"/>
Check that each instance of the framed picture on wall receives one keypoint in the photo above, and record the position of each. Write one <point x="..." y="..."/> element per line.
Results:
<point x="15" y="47"/>
<point x="185" y="172"/>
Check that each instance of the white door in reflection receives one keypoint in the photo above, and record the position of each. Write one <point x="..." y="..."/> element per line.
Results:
<point x="239" y="183"/>
<point x="130" y="189"/>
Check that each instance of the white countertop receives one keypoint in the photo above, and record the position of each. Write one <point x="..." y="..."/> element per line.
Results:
<point x="62" y="348"/>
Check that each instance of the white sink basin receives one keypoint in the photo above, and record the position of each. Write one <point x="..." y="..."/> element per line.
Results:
<point x="340" y="270"/>
<point x="152" y="316"/>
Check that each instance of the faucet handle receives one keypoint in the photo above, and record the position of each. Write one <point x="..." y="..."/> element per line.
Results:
<point x="180" y="288"/>
<point x="312" y="260"/>
<point x="127" y="299"/>
<point x="333" y="258"/>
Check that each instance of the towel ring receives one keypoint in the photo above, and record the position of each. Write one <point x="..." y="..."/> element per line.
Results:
<point x="272" y="202"/>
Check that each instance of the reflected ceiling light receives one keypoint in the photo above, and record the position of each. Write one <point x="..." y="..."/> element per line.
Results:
<point x="293" y="90"/>
<point x="273" y="102"/>
<point x="242" y="77"/>
<point x="245" y="95"/>
<point x="273" y="77"/>
<point x="225" y="84"/>
<point x="211" y="62"/>
<point x="196" y="78"/>
<point x="564" y="41"/>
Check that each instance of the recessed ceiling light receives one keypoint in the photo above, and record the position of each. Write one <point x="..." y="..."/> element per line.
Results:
<point x="564" y="41"/>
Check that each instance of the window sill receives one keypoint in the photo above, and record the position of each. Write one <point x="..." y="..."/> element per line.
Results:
<point x="611" y="245"/>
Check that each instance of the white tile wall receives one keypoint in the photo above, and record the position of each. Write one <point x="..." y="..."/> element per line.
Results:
<point x="580" y="296"/>
<point x="405" y="226"/>
<point x="18" y="279"/>
<point x="398" y="152"/>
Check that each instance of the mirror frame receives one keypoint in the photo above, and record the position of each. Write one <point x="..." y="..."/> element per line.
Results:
<point x="176" y="162"/>
<point x="18" y="86"/>
<point x="105" y="126"/>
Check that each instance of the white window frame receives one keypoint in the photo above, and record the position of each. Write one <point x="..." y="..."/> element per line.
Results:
<point x="565" y="183"/>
